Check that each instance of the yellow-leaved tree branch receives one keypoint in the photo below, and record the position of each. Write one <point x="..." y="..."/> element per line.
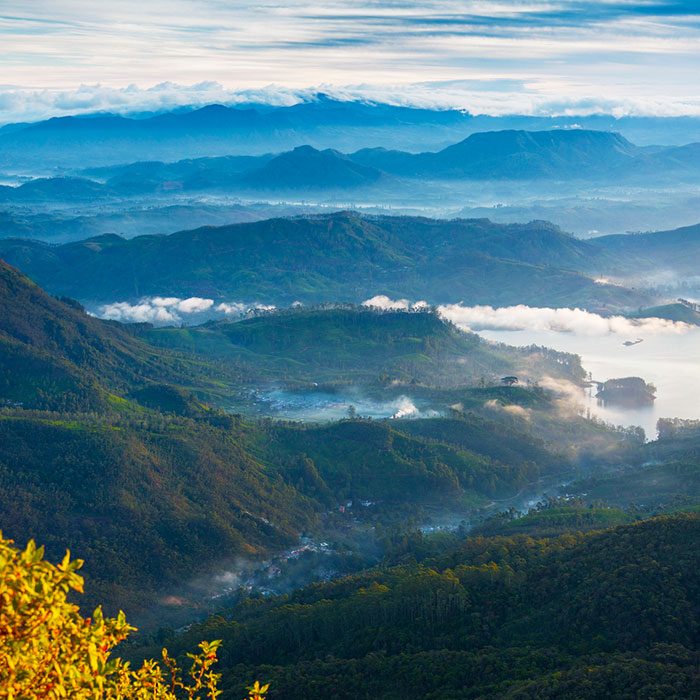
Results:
<point x="49" y="650"/>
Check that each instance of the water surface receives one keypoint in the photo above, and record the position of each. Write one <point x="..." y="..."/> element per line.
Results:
<point x="669" y="361"/>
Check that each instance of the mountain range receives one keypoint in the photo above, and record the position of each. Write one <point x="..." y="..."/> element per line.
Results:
<point x="335" y="257"/>
<point x="573" y="156"/>
<point x="323" y="122"/>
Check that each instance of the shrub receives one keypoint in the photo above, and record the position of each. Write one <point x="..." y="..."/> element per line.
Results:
<point x="49" y="650"/>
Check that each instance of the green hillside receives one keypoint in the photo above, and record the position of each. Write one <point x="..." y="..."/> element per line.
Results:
<point x="556" y="518"/>
<point x="335" y="257"/>
<point x="356" y="344"/>
<point x="382" y="461"/>
<point x="681" y="312"/>
<point x="54" y="356"/>
<point x="674" y="250"/>
<point x="151" y="486"/>
<point x="145" y="500"/>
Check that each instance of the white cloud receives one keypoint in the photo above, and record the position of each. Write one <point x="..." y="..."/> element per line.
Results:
<point x="562" y="320"/>
<point x="489" y="56"/>
<point x="231" y="309"/>
<point x="167" y="311"/>
<point x="533" y="97"/>
<point x="194" y="305"/>
<point x="405" y="408"/>
<point x="384" y="302"/>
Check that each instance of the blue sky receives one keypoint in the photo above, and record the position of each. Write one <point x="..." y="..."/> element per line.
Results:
<point x="492" y="56"/>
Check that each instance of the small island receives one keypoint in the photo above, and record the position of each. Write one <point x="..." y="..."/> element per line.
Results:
<point x="627" y="391"/>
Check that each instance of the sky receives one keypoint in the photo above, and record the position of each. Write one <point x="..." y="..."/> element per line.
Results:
<point x="487" y="56"/>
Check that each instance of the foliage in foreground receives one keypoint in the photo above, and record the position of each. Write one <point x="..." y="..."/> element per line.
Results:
<point x="48" y="650"/>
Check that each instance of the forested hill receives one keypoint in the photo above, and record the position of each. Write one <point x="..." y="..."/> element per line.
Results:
<point x="336" y="257"/>
<point x="513" y="155"/>
<point x="55" y="356"/>
<point x="673" y="252"/>
<point x="306" y="167"/>
<point x="352" y="344"/>
<point x="607" y="614"/>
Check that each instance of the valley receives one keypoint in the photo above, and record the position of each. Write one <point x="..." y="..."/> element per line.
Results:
<point x="341" y="384"/>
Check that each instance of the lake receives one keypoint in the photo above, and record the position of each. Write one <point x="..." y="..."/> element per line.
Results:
<point x="669" y="361"/>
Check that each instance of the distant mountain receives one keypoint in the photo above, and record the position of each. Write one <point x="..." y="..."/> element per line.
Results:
<point x="677" y="161"/>
<point x="302" y="168"/>
<point x="129" y="219"/>
<point x="193" y="174"/>
<point x="216" y="130"/>
<point x="306" y="167"/>
<point x="322" y="122"/>
<point x="675" y="252"/>
<point x="57" y="189"/>
<point x="589" y="216"/>
<point x="570" y="156"/>
<point x="516" y="155"/>
<point x="337" y="257"/>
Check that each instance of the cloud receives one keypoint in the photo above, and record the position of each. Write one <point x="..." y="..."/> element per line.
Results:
<point x="194" y="305"/>
<point x="488" y="56"/>
<point x="405" y="408"/>
<point x="569" y="397"/>
<point x="168" y="311"/>
<point x="384" y="302"/>
<point x="231" y="309"/>
<point x="22" y="104"/>
<point x="561" y="320"/>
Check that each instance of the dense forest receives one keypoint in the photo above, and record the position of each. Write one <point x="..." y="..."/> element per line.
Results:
<point x="612" y="613"/>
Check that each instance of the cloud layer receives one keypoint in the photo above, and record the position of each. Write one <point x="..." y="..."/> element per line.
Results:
<point x="494" y="56"/>
<point x="561" y="320"/>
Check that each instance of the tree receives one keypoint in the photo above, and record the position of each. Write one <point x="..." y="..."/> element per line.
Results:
<point x="48" y="650"/>
<point x="510" y="380"/>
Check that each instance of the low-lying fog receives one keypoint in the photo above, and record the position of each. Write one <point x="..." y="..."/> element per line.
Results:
<point x="313" y="406"/>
